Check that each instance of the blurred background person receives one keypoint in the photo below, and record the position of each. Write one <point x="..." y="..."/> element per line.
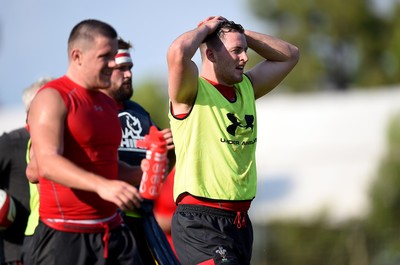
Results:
<point x="13" y="180"/>
<point x="135" y="124"/>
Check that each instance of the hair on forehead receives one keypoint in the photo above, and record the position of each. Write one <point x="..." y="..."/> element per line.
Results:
<point x="89" y="29"/>
<point x="223" y="28"/>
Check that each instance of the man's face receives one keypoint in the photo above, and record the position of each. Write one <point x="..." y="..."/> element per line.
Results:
<point x="98" y="62"/>
<point x="121" y="82"/>
<point x="231" y="58"/>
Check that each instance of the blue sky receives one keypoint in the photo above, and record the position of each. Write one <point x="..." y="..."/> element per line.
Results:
<point x="33" y="34"/>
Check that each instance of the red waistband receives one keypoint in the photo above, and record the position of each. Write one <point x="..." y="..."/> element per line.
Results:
<point x="87" y="226"/>
<point x="84" y="226"/>
<point x="234" y="206"/>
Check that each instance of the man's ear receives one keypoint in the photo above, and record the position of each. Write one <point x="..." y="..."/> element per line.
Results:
<point x="76" y="56"/>
<point x="210" y="55"/>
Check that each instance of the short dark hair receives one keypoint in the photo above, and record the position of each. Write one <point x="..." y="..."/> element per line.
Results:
<point x="224" y="27"/>
<point x="123" y="44"/>
<point x="89" y="29"/>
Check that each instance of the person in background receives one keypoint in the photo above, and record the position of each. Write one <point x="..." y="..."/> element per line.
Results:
<point x="135" y="124"/>
<point x="214" y="124"/>
<point x="75" y="134"/>
<point x="13" y="180"/>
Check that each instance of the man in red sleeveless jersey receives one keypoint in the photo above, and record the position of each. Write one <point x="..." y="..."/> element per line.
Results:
<point x="75" y="134"/>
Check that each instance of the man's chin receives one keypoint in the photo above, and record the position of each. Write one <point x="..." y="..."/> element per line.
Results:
<point x="127" y="85"/>
<point x="127" y="88"/>
<point x="129" y="94"/>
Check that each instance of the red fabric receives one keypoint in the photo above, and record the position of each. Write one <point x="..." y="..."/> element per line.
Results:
<point x="164" y="205"/>
<point x="179" y="116"/>
<point x="234" y="206"/>
<point x="240" y="207"/>
<point x="207" y="262"/>
<point x="227" y="91"/>
<point x="95" y="227"/>
<point x="91" y="139"/>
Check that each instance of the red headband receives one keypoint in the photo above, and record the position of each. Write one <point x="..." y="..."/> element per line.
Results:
<point x="123" y="56"/>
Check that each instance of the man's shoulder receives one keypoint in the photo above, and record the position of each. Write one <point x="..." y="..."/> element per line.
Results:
<point x="57" y="82"/>
<point x="61" y="85"/>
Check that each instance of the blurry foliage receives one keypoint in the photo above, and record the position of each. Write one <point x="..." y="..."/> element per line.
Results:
<point x="384" y="218"/>
<point x="153" y="97"/>
<point x="314" y="243"/>
<point x="374" y="240"/>
<point x="341" y="44"/>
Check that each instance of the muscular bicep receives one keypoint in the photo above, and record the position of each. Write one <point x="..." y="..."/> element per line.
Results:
<point x="182" y="81"/>
<point x="267" y="75"/>
<point x="46" y="124"/>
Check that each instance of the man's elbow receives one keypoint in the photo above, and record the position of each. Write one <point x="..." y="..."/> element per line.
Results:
<point x="294" y="55"/>
<point x="32" y="175"/>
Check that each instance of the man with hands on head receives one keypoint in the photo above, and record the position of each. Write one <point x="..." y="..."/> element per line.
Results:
<point x="213" y="120"/>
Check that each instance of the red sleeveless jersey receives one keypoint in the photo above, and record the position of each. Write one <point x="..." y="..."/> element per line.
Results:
<point x="92" y="136"/>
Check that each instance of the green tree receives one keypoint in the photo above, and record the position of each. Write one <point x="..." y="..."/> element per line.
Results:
<point x="384" y="218"/>
<point x="342" y="44"/>
<point x="153" y="97"/>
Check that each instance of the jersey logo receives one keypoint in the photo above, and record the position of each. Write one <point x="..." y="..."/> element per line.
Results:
<point x="222" y="253"/>
<point x="131" y="130"/>
<point x="248" y="123"/>
<point x="98" y="108"/>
